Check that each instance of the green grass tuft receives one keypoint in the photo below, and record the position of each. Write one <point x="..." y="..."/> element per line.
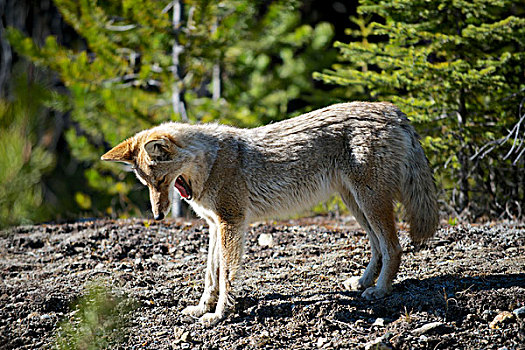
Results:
<point x="99" y="319"/>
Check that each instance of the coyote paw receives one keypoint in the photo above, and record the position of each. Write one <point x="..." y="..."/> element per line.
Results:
<point x="354" y="283"/>
<point x="375" y="293"/>
<point x="210" y="319"/>
<point x="194" y="311"/>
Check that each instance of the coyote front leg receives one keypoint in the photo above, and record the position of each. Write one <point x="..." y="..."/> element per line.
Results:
<point x="211" y="279"/>
<point x="230" y="243"/>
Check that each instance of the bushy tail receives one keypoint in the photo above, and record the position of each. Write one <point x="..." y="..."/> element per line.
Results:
<point x="419" y="194"/>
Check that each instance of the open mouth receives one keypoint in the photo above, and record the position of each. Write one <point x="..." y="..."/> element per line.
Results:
<point x="183" y="187"/>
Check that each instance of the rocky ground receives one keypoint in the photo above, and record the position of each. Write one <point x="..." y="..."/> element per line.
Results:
<point x="465" y="290"/>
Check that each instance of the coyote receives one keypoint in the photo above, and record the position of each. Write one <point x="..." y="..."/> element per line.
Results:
<point x="366" y="152"/>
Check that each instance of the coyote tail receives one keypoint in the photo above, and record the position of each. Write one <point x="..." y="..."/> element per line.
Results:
<point x="419" y="193"/>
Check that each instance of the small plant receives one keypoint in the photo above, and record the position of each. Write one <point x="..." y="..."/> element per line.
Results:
<point x="99" y="319"/>
<point x="446" y="298"/>
<point x="407" y="316"/>
<point x="452" y="221"/>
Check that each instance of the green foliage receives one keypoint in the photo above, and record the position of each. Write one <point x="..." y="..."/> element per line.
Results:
<point x="266" y="66"/>
<point x="334" y="205"/>
<point x="123" y="80"/>
<point x="23" y="161"/>
<point x="456" y="69"/>
<point x="108" y="93"/>
<point x="269" y="71"/>
<point x="99" y="320"/>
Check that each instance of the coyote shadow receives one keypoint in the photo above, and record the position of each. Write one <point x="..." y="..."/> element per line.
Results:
<point x="445" y="296"/>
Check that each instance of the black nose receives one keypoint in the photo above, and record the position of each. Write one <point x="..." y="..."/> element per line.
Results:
<point x="160" y="216"/>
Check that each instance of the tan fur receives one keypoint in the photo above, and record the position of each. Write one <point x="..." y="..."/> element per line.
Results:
<point x="366" y="152"/>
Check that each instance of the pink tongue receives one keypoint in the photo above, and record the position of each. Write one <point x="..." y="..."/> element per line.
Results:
<point x="179" y="186"/>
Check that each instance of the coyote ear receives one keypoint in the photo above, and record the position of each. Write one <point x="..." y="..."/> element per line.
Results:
<point x="159" y="149"/>
<point x="123" y="152"/>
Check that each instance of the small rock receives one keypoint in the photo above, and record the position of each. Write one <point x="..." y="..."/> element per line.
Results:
<point x="34" y="315"/>
<point x="46" y="317"/>
<point x="502" y="318"/>
<point x="377" y="344"/>
<point x="181" y="336"/>
<point x="487" y="315"/>
<point x="185" y="337"/>
<point x="265" y="240"/>
<point x="380" y="343"/>
<point x="177" y="333"/>
<point x="519" y="312"/>
<point x="471" y="317"/>
<point x="379" y="322"/>
<point x="359" y="322"/>
<point x="321" y="341"/>
<point x="433" y="327"/>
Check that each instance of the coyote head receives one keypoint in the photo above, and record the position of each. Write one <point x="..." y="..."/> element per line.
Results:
<point x="159" y="162"/>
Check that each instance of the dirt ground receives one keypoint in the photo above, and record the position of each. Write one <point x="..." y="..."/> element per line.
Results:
<point x="465" y="290"/>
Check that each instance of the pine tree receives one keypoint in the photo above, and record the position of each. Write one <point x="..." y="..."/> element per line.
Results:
<point x="456" y="68"/>
<point x="269" y="71"/>
<point x="114" y="83"/>
<point x="145" y="62"/>
<point x="23" y="160"/>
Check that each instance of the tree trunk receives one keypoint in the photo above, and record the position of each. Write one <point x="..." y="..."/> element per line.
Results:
<point x="178" y="208"/>
<point x="463" y="157"/>
<point x="176" y="97"/>
<point x="216" y="74"/>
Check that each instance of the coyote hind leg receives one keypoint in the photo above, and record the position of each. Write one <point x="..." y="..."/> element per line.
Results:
<point x="372" y="270"/>
<point x="379" y="211"/>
